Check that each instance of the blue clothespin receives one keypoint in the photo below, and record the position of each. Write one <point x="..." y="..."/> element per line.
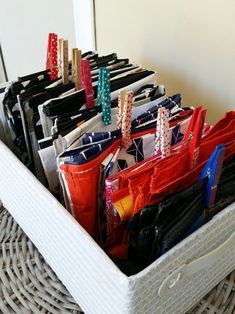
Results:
<point x="103" y="94"/>
<point x="211" y="173"/>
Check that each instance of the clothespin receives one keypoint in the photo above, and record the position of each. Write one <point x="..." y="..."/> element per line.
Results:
<point x="60" y="57"/>
<point x="76" y="67"/>
<point x="48" y="57"/>
<point x="126" y="120"/>
<point x="103" y="95"/>
<point x="211" y="172"/>
<point x="73" y="63"/>
<point x="162" y="141"/>
<point x="121" y="101"/>
<point x="87" y="83"/>
<point x="65" y="61"/>
<point x="52" y="50"/>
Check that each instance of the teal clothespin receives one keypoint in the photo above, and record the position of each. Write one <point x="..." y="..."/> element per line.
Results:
<point x="103" y="95"/>
<point x="99" y="90"/>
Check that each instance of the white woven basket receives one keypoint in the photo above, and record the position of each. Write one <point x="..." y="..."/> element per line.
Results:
<point x="29" y="285"/>
<point x="172" y="284"/>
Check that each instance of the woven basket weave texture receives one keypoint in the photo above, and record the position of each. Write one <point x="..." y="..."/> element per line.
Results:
<point x="29" y="285"/>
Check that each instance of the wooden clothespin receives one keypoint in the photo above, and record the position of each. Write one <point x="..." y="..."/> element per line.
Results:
<point x="60" y="57"/>
<point x="76" y="67"/>
<point x="73" y="63"/>
<point x="65" y="61"/>
<point x="121" y="101"/>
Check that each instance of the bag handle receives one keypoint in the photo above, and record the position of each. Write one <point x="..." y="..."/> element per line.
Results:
<point x="187" y="270"/>
<point x="196" y="139"/>
<point x="188" y="134"/>
<point x="193" y="136"/>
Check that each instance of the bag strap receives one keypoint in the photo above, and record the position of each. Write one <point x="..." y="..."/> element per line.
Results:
<point x="193" y="136"/>
<point x="196" y="139"/>
<point x="189" y="133"/>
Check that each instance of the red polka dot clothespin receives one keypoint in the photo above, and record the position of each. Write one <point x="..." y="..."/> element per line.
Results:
<point x="87" y="83"/>
<point x="52" y="51"/>
<point x="126" y="120"/>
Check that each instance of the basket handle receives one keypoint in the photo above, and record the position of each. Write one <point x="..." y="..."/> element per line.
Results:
<point x="186" y="270"/>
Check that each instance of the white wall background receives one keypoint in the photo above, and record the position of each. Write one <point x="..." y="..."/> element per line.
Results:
<point x="2" y="76"/>
<point x="84" y="24"/>
<point x="24" y="28"/>
<point x="190" y="43"/>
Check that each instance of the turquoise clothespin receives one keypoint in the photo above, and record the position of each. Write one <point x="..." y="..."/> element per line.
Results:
<point x="103" y="95"/>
